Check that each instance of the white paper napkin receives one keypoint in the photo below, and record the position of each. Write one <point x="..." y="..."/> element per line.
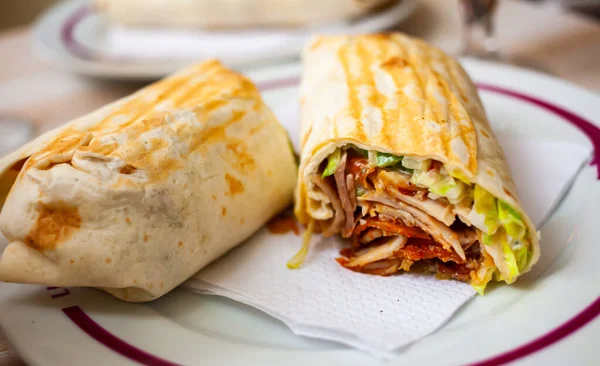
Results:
<point x="372" y="313"/>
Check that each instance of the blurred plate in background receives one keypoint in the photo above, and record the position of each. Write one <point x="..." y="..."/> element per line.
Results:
<point x="74" y="37"/>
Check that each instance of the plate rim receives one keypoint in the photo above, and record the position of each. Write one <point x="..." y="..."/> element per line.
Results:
<point x="79" y="9"/>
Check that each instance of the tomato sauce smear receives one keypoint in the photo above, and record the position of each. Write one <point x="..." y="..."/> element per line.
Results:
<point x="446" y="264"/>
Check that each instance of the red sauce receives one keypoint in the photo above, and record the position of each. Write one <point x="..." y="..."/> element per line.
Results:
<point x="454" y="271"/>
<point x="407" y="192"/>
<point x="359" y="168"/>
<point x="418" y="249"/>
<point x="283" y="225"/>
<point x="393" y="227"/>
<point x="342" y="261"/>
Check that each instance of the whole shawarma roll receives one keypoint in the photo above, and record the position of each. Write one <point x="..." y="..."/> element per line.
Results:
<point x="137" y="196"/>
<point x="399" y="157"/>
<point x="233" y="13"/>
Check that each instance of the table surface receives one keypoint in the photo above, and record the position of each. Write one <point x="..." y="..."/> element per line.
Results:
<point x="564" y="44"/>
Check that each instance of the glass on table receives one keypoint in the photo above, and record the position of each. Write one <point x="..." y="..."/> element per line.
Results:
<point x="478" y="34"/>
<point x="479" y="37"/>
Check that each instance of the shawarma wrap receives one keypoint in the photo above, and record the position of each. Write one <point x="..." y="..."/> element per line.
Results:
<point x="398" y="156"/>
<point x="138" y="196"/>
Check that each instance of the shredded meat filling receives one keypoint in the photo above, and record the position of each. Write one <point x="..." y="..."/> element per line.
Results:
<point x="391" y="227"/>
<point x="334" y="225"/>
<point x="342" y="189"/>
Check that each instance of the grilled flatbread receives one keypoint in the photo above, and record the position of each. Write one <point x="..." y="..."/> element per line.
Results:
<point x="138" y="196"/>
<point x="399" y="157"/>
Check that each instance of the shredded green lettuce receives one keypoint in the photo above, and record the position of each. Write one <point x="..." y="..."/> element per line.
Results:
<point x="298" y="259"/>
<point x="450" y="188"/>
<point x="424" y="177"/>
<point x="485" y="204"/>
<point x="514" y="254"/>
<point x="412" y="164"/>
<point x="441" y="187"/>
<point x="332" y="162"/>
<point x="511" y="261"/>
<point x="480" y="288"/>
<point x="511" y="220"/>
<point x="522" y="255"/>
<point x="438" y="183"/>
<point x="484" y="279"/>
<point x="487" y="239"/>
<point x="384" y="159"/>
<point x="457" y="174"/>
<point x="498" y="275"/>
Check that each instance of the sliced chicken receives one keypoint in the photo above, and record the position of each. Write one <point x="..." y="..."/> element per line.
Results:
<point x="415" y="217"/>
<point x="378" y="252"/>
<point x="342" y="190"/>
<point x="397" y="223"/>
<point x="467" y="237"/>
<point x="394" y="184"/>
<point x="335" y="225"/>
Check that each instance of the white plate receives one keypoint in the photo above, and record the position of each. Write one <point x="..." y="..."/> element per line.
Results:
<point x="547" y="317"/>
<point x="73" y="37"/>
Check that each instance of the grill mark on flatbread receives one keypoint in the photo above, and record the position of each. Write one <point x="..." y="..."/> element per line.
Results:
<point x="445" y="120"/>
<point x="55" y="224"/>
<point x="415" y="78"/>
<point x="201" y="91"/>
<point x="454" y="104"/>
<point x="395" y="67"/>
<point x="236" y="154"/>
<point x="148" y="156"/>
<point x="216" y="133"/>
<point x="466" y="104"/>
<point x="197" y="91"/>
<point x="393" y="114"/>
<point x="138" y="107"/>
<point x="376" y="98"/>
<point x="352" y="83"/>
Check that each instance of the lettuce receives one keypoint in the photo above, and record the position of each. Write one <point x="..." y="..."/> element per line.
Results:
<point x="457" y="174"/>
<point x="502" y="247"/>
<point x="511" y="220"/>
<point x="522" y="255"/>
<point x="436" y="180"/>
<point x="443" y="186"/>
<point x="425" y="177"/>
<point x="487" y="239"/>
<point x="384" y="159"/>
<point x="412" y="164"/>
<point x="511" y="261"/>
<point x="482" y="277"/>
<point x="298" y="259"/>
<point x="332" y="162"/>
<point x="454" y="190"/>
<point x="480" y="288"/>
<point x="485" y="205"/>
